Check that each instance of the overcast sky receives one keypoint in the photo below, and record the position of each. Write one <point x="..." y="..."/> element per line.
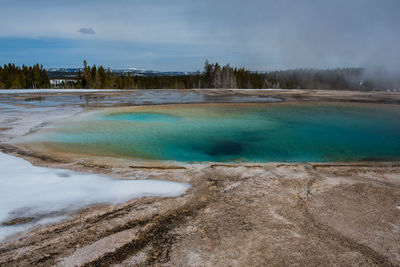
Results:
<point x="180" y="35"/>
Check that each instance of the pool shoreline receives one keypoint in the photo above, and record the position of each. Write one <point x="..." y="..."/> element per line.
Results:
<point x="43" y="147"/>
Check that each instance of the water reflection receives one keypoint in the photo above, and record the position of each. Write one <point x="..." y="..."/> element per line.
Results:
<point x="37" y="98"/>
<point x="127" y="98"/>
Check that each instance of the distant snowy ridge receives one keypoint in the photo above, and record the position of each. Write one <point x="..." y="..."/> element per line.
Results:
<point x="131" y="70"/>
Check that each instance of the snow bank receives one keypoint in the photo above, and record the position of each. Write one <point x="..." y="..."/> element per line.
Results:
<point x="46" y="195"/>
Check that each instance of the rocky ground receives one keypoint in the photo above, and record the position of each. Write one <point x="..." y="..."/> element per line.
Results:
<point x="234" y="215"/>
<point x="270" y="214"/>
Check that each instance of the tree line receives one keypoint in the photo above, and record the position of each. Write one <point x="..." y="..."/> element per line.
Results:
<point x="14" y="77"/>
<point x="217" y="76"/>
<point x="94" y="77"/>
<point x="213" y="76"/>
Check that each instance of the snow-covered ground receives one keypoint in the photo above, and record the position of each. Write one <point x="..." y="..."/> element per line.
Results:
<point x="46" y="195"/>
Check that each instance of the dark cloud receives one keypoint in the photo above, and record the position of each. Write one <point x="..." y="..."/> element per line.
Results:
<point x="84" y="30"/>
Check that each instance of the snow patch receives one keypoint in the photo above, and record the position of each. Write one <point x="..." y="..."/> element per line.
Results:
<point x="37" y="195"/>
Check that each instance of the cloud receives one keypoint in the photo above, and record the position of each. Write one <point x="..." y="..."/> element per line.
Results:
<point x="260" y="35"/>
<point x="84" y="30"/>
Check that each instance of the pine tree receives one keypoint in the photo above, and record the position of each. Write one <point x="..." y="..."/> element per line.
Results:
<point x="208" y="74"/>
<point x="16" y="84"/>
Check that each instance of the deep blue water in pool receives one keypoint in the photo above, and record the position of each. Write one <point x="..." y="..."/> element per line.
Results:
<point x="235" y="133"/>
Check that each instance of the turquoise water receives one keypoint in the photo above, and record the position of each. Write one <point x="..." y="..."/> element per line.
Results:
<point x="141" y="117"/>
<point x="235" y="133"/>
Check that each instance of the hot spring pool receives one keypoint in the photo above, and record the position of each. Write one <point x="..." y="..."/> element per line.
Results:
<point x="233" y="133"/>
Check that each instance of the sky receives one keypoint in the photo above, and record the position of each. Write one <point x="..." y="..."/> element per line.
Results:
<point x="178" y="35"/>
